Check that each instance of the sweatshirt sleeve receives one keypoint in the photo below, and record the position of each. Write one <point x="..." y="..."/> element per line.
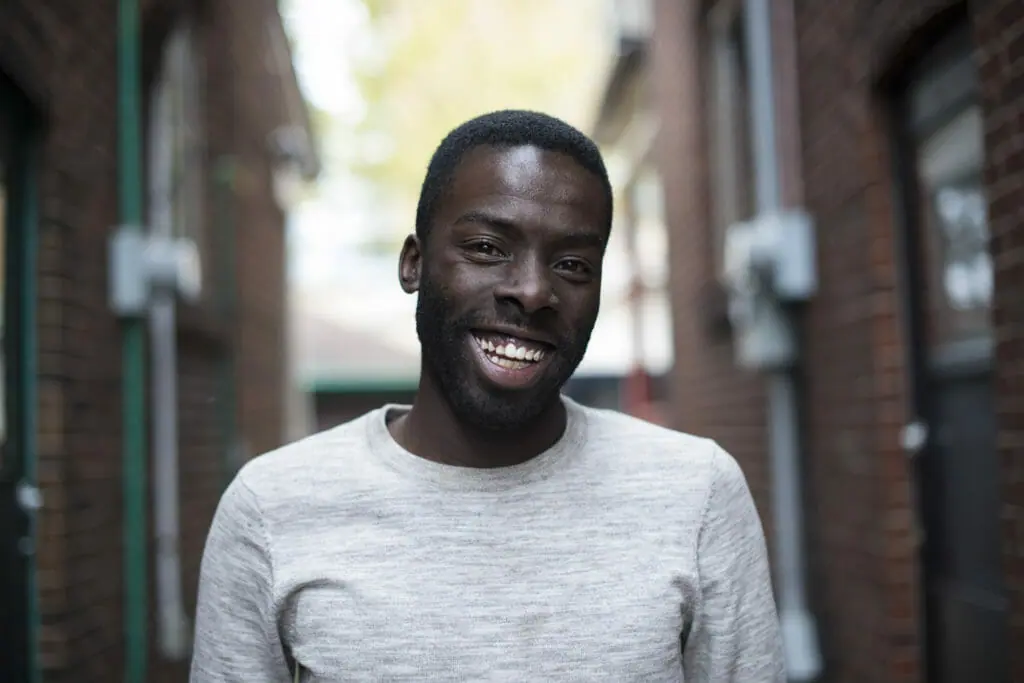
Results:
<point x="236" y="636"/>
<point x="735" y="636"/>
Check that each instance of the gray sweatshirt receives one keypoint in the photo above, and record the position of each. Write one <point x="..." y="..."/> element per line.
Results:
<point x="626" y="552"/>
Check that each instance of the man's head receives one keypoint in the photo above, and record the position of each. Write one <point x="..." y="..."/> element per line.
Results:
<point x="511" y="228"/>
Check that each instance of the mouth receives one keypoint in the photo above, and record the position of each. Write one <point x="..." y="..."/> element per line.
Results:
<point x="508" y="361"/>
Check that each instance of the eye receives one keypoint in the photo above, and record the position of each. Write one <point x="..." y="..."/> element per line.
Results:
<point x="575" y="267"/>
<point x="485" y="249"/>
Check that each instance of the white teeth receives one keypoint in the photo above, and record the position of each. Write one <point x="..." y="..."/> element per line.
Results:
<point x="507" y="363"/>
<point x="512" y="356"/>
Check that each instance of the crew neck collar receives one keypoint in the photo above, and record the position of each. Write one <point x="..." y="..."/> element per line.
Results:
<point x="384" y="446"/>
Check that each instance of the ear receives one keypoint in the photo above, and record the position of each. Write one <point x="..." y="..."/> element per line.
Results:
<point x="410" y="264"/>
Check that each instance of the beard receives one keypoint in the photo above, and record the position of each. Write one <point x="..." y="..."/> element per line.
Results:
<point x="444" y="340"/>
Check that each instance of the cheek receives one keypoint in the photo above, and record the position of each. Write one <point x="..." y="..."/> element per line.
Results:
<point x="590" y="298"/>
<point x="471" y="284"/>
<point x="446" y="279"/>
<point x="586" y="310"/>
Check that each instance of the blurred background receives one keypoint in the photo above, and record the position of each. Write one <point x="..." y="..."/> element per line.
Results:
<point x="817" y="259"/>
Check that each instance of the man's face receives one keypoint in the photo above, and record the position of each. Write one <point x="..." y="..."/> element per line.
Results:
<point x="509" y="282"/>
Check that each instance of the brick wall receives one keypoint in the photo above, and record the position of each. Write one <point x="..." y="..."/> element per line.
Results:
<point x="999" y="28"/>
<point x="63" y="57"/>
<point x="62" y="54"/>
<point x="231" y="345"/>
<point x="857" y="395"/>
<point x="863" y="549"/>
<point x="259" y="226"/>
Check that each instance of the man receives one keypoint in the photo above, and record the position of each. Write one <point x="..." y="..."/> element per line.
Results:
<point x="494" y="530"/>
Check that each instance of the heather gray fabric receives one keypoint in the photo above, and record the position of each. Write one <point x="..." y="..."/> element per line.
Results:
<point x="587" y="563"/>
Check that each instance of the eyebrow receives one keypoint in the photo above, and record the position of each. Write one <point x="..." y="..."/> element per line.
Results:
<point x="583" y="240"/>
<point x="579" y="239"/>
<point x="486" y="219"/>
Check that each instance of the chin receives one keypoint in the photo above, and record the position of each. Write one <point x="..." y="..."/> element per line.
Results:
<point x="490" y="411"/>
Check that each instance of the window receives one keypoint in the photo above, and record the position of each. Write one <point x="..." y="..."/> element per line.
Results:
<point x="946" y="124"/>
<point x="176" y="142"/>
<point x="959" y="267"/>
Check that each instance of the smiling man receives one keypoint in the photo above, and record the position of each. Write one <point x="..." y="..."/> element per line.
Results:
<point x="494" y="530"/>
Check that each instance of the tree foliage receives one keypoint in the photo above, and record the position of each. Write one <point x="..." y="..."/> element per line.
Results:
<point x="441" y="62"/>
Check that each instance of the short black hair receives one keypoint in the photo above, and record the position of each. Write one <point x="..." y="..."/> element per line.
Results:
<point x="505" y="128"/>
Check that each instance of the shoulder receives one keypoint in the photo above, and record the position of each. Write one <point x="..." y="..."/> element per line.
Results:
<point x="674" y="460"/>
<point x="622" y="435"/>
<point x="690" y="478"/>
<point x="300" y="470"/>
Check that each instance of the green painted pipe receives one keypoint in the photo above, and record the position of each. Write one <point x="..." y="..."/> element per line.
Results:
<point x="133" y="359"/>
<point x="29" y="386"/>
<point x="225" y="229"/>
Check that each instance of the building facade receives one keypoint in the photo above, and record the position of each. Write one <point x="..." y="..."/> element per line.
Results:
<point x="896" y="127"/>
<point x="220" y="133"/>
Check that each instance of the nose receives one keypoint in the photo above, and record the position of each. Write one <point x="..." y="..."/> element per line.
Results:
<point x="527" y="285"/>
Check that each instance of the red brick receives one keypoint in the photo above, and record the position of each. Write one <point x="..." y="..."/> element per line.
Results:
<point x="861" y="523"/>
<point x="62" y="54"/>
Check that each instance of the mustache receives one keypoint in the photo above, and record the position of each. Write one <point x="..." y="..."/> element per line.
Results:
<point x="512" y="318"/>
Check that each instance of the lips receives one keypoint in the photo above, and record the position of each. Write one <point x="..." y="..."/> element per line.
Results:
<point x="508" y="361"/>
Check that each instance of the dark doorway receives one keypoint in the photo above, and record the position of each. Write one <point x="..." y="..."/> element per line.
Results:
<point x="949" y="287"/>
<point x="16" y="494"/>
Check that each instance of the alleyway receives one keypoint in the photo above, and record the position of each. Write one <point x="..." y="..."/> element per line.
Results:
<point x="815" y="261"/>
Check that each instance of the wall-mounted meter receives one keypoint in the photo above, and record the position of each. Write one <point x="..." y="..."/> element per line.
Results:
<point x="768" y="262"/>
<point x="143" y="264"/>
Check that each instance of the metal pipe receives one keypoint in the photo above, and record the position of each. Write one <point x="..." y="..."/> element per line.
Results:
<point x="172" y="624"/>
<point x="799" y="630"/>
<point x="28" y="385"/>
<point x="133" y="351"/>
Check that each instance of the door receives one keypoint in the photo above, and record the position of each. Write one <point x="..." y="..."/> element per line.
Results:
<point x="950" y="291"/>
<point x="16" y="499"/>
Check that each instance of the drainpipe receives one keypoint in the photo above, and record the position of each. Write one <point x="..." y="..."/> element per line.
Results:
<point x="28" y="378"/>
<point x="172" y="624"/>
<point x="799" y="630"/>
<point x="133" y="351"/>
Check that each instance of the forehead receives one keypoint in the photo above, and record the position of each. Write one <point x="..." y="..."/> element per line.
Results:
<point x="549" y="187"/>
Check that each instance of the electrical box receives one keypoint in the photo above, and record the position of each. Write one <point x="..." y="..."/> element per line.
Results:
<point x="769" y="262"/>
<point x="144" y="265"/>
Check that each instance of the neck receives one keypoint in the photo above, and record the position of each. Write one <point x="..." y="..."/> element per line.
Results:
<point x="432" y="431"/>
